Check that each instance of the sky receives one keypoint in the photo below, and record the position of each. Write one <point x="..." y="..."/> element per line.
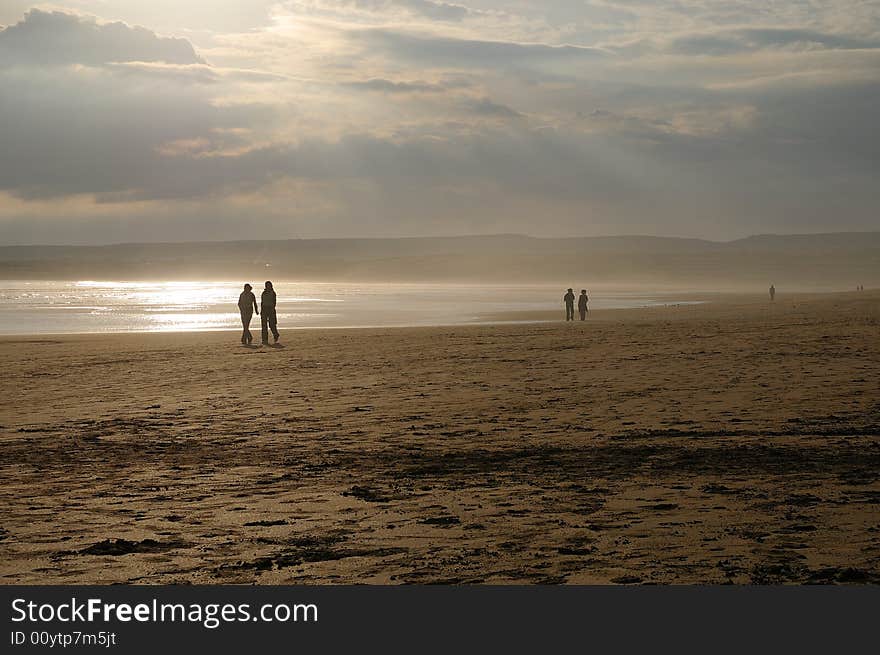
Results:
<point x="160" y="120"/>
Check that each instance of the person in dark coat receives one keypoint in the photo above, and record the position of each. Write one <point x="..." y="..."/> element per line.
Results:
<point x="583" y="299"/>
<point x="569" y="305"/>
<point x="247" y="305"/>
<point x="268" y="318"/>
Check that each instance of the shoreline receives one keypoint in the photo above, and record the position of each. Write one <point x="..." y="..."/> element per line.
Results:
<point x="205" y="307"/>
<point x="514" y="317"/>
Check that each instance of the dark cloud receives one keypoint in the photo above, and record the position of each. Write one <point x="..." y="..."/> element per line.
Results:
<point x="200" y="73"/>
<point x="67" y="133"/>
<point x="820" y="131"/>
<point x="56" y="38"/>
<point x="747" y="40"/>
<point x="487" y="107"/>
<point x="192" y="73"/>
<point x="388" y="86"/>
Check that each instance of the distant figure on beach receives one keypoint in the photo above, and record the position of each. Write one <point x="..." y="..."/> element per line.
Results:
<point x="247" y="305"/>
<point x="772" y="292"/>
<point x="583" y="299"/>
<point x="569" y="305"/>
<point x="268" y="318"/>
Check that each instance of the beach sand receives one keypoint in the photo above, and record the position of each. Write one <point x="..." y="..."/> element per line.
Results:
<point x="734" y="441"/>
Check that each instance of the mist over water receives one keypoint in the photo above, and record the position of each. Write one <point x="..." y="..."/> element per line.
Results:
<point x="46" y="307"/>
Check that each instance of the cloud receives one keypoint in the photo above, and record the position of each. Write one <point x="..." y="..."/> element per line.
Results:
<point x="751" y="39"/>
<point x="56" y="38"/>
<point x="437" y="51"/>
<point x="408" y="117"/>
<point x="82" y="130"/>
<point x="437" y="10"/>
<point x="388" y="86"/>
<point x="384" y="10"/>
<point x="196" y="73"/>
<point x="488" y="108"/>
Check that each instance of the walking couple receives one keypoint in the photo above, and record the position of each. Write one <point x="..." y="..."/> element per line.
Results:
<point x="247" y="305"/>
<point x="582" y="300"/>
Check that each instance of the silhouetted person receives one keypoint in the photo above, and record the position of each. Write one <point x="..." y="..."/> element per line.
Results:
<point x="772" y="292"/>
<point x="268" y="318"/>
<point x="247" y="305"/>
<point x="583" y="299"/>
<point x="569" y="305"/>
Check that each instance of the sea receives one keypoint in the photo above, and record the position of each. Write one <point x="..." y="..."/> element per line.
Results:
<point x="88" y="306"/>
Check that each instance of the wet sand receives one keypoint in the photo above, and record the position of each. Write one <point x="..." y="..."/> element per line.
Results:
<point x="734" y="441"/>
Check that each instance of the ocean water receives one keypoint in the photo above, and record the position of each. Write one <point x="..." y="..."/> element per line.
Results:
<point x="46" y="307"/>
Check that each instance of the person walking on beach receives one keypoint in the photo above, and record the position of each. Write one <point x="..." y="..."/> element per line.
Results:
<point x="247" y="305"/>
<point x="583" y="299"/>
<point x="772" y="292"/>
<point x="569" y="305"/>
<point x="268" y="318"/>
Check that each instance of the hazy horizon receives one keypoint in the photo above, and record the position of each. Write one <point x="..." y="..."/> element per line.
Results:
<point x="127" y="121"/>
<point x="484" y="235"/>
<point x="804" y="262"/>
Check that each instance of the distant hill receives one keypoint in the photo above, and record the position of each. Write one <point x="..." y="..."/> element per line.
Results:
<point x="814" y="261"/>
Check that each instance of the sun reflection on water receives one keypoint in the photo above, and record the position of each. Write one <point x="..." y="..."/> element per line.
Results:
<point x="116" y="306"/>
